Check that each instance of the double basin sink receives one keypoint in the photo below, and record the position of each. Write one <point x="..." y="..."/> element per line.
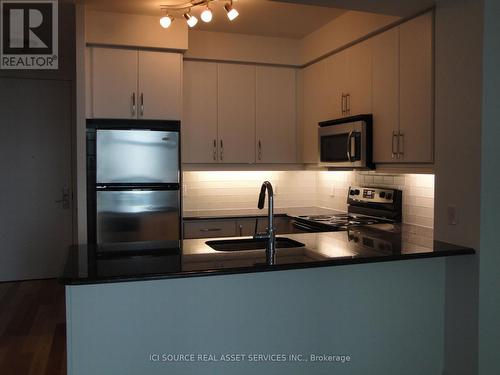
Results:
<point x="251" y="244"/>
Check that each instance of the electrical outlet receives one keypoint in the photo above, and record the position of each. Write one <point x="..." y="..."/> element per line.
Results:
<point x="452" y="215"/>
<point x="332" y="194"/>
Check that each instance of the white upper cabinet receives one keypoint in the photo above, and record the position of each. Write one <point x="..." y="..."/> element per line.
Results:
<point x="314" y="104"/>
<point x="389" y="75"/>
<point x="385" y="95"/>
<point x="159" y="85"/>
<point x="236" y="112"/>
<point x="199" y="120"/>
<point x="336" y="86"/>
<point x="359" y="78"/>
<point x="113" y="83"/>
<point x="276" y="119"/>
<point x="131" y="84"/>
<point x="416" y="137"/>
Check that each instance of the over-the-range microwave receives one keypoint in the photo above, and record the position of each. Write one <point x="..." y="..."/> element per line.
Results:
<point x="346" y="143"/>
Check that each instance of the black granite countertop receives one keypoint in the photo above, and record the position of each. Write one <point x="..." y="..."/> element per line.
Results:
<point x="158" y="261"/>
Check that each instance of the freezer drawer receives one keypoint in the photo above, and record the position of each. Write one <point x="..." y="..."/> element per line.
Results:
<point x="137" y="156"/>
<point x="129" y="216"/>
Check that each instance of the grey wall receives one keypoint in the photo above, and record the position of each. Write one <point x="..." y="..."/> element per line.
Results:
<point x="489" y="327"/>
<point x="458" y="83"/>
<point x="387" y="316"/>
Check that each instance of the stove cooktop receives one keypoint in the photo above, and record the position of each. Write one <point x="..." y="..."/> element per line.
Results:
<point x="341" y="221"/>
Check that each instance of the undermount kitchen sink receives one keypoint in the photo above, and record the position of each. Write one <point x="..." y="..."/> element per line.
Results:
<point x="251" y="244"/>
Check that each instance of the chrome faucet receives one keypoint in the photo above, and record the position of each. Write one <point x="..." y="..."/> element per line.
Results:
<point x="270" y="234"/>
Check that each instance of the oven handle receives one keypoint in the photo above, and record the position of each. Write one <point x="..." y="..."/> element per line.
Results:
<point x="349" y="137"/>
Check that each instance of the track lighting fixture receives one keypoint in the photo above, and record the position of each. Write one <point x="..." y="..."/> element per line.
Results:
<point x="232" y="13"/>
<point x="206" y="15"/>
<point x="166" y="21"/>
<point x="190" y="20"/>
<point x="182" y="8"/>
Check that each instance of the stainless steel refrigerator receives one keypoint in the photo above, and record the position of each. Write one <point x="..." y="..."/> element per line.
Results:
<point x="133" y="171"/>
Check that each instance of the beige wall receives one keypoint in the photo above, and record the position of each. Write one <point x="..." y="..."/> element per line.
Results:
<point x="134" y="31"/>
<point x="343" y="30"/>
<point x="242" y="48"/>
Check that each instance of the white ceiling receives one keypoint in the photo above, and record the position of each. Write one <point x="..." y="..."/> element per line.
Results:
<point x="257" y="17"/>
<point x="400" y="8"/>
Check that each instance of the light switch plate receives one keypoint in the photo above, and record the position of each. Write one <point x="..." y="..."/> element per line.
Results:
<point x="452" y="213"/>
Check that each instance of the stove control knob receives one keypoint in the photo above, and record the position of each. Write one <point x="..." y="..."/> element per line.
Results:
<point x="356" y="192"/>
<point x="382" y="194"/>
<point x="351" y="192"/>
<point x="389" y="196"/>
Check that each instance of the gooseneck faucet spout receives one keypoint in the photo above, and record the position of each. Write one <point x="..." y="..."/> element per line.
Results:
<point x="270" y="234"/>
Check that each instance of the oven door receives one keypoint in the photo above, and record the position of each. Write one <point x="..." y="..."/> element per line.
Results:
<point x="343" y="146"/>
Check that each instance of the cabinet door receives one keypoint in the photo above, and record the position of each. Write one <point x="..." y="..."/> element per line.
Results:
<point x="114" y="83"/>
<point x="359" y="65"/>
<point x="336" y="85"/>
<point x="199" y="120"/>
<point x="275" y="111"/>
<point x="385" y="95"/>
<point x="159" y="85"/>
<point x="209" y="228"/>
<point x="416" y="90"/>
<point x="313" y="99"/>
<point x="236" y="110"/>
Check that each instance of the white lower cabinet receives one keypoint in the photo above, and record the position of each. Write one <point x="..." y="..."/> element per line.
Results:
<point x="212" y="228"/>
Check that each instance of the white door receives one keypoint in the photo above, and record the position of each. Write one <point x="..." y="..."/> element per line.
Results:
<point x="276" y="121"/>
<point x="314" y="102"/>
<point x="336" y="81"/>
<point x="385" y="95"/>
<point x="416" y="90"/>
<point x="199" y="119"/>
<point x="236" y="111"/>
<point x="35" y="159"/>
<point x="160" y="77"/>
<point x="114" y="83"/>
<point x="359" y="65"/>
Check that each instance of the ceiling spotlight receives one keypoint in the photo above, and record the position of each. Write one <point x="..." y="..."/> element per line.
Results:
<point x="190" y="20"/>
<point x="206" y="15"/>
<point x="232" y="13"/>
<point x="166" y="21"/>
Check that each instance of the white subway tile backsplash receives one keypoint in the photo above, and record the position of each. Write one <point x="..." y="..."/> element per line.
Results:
<point x="235" y="190"/>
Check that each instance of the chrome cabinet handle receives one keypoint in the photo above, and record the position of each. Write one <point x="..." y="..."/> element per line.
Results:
<point x="344" y="104"/>
<point x="210" y="230"/>
<point x="142" y="104"/>
<point x="394" y="149"/>
<point x="214" y="152"/>
<point x="348" y="104"/>
<point x="260" y="150"/>
<point x="241" y="230"/>
<point x="401" y="141"/>
<point x="133" y="104"/>
<point x="221" y="150"/>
